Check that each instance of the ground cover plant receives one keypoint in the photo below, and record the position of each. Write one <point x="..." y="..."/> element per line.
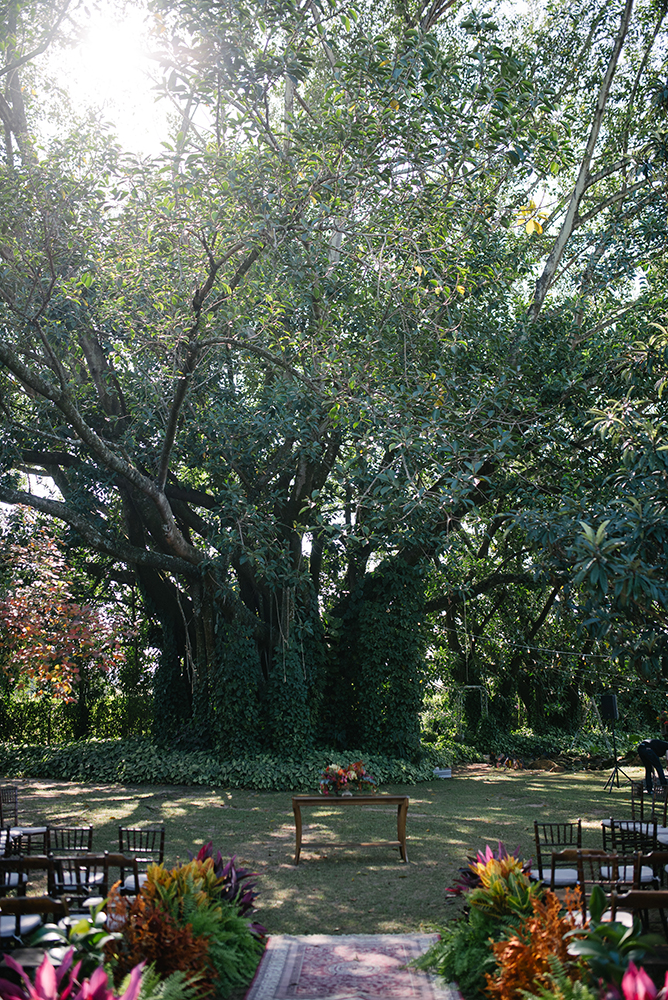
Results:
<point x="360" y="890"/>
<point x="140" y="761"/>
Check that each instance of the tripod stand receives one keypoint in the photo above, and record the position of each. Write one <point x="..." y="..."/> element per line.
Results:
<point x="614" y="776"/>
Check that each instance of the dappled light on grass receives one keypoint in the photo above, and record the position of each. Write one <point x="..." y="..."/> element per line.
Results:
<point x="354" y="890"/>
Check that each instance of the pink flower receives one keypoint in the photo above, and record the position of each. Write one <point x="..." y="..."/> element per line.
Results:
<point x="636" y="984"/>
<point x="49" y="983"/>
<point x="47" y="980"/>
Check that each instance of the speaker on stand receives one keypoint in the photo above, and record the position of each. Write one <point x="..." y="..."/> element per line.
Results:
<point x="610" y="713"/>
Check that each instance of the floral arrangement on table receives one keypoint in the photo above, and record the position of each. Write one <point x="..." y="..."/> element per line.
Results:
<point x="337" y="780"/>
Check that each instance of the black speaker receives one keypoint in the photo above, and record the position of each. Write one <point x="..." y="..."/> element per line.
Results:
<point x="609" y="707"/>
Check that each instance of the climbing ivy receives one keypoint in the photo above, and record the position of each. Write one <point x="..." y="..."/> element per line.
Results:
<point x="375" y="686"/>
<point x="171" y="691"/>
<point x="292" y="696"/>
<point x="233" y="688"/>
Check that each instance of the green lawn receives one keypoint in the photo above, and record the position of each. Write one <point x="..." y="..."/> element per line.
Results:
<point x="364" y="890"/>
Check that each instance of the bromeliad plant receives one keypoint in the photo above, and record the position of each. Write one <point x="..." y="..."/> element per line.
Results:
<point x="502" y="897"/>
<point x="505" y="888"/>
<point x="335" y="780"/>
<point x="63" y="983"/>
<point x="180" y="921"/>
<point x="233" y="880"/>
<point x="469" y="878"/>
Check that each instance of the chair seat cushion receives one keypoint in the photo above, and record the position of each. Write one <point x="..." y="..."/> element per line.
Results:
<point x="626" y="873"/>
<point x="129" y="882"/>
<point x="564" y="877"/>
<point x="623" y="917"/>
<point x="93" y="878"/>
<point x="29" y="923"/>
<point x="12" y="879"/>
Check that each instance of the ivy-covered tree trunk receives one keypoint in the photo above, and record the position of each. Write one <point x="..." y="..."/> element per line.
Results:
<point x="172" y="683"/>
<point x="238" y="693"/>
<point x="375" y="682"/>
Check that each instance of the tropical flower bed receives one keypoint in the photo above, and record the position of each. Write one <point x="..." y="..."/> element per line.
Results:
<point x="187" y="935"/>
<point x="517" y="941"/>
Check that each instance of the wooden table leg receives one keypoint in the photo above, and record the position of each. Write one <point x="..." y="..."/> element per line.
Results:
<point x="296" y="808"/>
<point x="402" y="812"/>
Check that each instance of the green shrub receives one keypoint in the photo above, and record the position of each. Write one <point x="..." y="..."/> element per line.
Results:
<point x="529" y="745"/>
<point x="140" y="762"/>
<point x="180" y="922"/>
<point x="48" y="720"/>
<point x="505" y="895"/>
<point x="445" y="751"/>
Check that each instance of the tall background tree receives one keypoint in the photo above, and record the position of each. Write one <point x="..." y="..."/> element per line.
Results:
<point x="294" y="375"/>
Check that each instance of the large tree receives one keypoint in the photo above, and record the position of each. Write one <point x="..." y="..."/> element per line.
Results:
<point x="277" y="372"/>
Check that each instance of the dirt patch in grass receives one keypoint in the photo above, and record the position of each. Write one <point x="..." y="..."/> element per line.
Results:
<point x="343" y="890"/>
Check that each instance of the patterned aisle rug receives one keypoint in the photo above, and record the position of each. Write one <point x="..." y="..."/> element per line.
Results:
<point x="346" y="967"/>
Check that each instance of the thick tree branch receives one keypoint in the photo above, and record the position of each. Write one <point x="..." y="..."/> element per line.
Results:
<point x="115" y="547"/>
<point x="197" y="498"/>
<point x="613" y="199"/>
<point x="490" y="583"/>
<point x="201" y="294"/>
<point x="174" y="491"/>
<point x="174" y="411"/>
<point x="102" y="373"/>
<point x="240" y="272"/>
<point x="44" y="458"/>
<point x="434" y="13"/>
<point x="608" y="171"/>
<point x="545" y="281"/>
<point x="57" y="395"/>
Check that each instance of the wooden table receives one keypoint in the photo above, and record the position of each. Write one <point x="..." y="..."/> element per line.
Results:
<point x="339" y="801"/>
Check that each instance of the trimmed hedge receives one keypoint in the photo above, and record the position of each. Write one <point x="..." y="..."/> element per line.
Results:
<point x="140" y="762"/>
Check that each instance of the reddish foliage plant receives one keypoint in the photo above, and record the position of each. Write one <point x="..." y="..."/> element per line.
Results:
<point x="152" y="933"/>
<point x="524" y="959"/>
<point x="47" y="636"/>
